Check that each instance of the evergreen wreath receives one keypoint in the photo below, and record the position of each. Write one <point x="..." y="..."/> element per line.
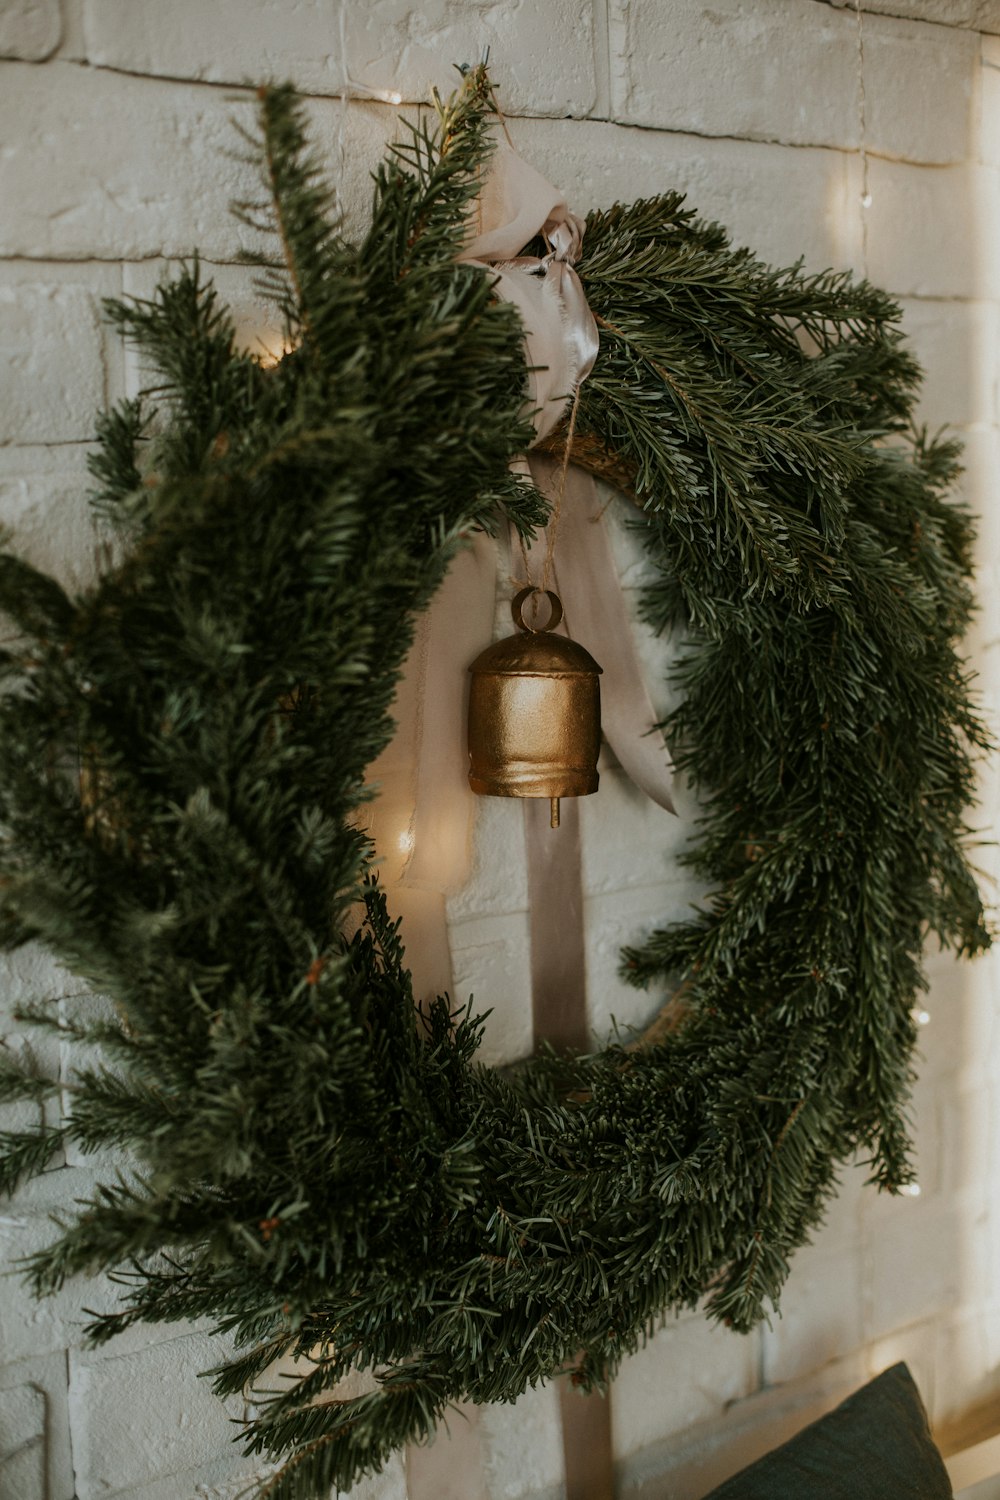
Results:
<point x="182" y="757"/>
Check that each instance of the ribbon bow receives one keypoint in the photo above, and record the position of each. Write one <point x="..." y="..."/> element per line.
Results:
<point x="560" y="335"/>
<point x="422" y="820"/>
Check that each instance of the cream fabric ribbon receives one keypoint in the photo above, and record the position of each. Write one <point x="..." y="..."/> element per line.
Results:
<point x="560" y="335"/>
<point x="422" y="820"/>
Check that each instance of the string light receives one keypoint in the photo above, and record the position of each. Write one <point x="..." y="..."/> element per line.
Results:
<point x="912" y="1189"/>
<point x="922" y="1017"/>
<point x="866" y="194"/>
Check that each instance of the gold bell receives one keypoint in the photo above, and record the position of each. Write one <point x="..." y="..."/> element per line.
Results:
<point x="535" y="714"/>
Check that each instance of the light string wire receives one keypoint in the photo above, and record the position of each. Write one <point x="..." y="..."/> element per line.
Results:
<point x="865" y="196"/>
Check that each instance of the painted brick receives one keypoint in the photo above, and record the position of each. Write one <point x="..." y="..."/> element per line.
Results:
<point x="221" y="1479"/>
<point x="883" y="1209"/>
<point x="30" y="972"/>
<point x="611" y="921"/>
<point x="965" y="1375"/>
<point x="121" y="1438"/>
<point x="52" y="346"/>
<point x="985" y="14"/>
<point x="450" y="1466"/>
<point x="652" y="1399"/>
<point x="737" y="69"/>
<point x="232" y="1478"/>
<point x="982" y="253"/>
<point x="914" y="1346"/>
<point x="798" y="205"/>
<point x="72" y="43"/>
<point x="956" y="1043"/>
<point x="45" y="1376"/>
<point x="628" y="840"/>
<point x="925" y="229"/>
<point x="52" y="524"/>
<point x="522" y="1447"/>
<point x="916" y="1265"/>
<point x="160" y="181"/>
<point x="978" y="15"/>
<point x="490" y="963"/>
<point x="29" y="29"/>
<point x="162" y="185"/>
<point x="711" y="1451"/>
<point x="956" y="343"/>
<point x="389" y="1485"/>
<point x="25" y="1114"/>
<point x="30" y="1328"/>
<point x="820" y="1317"/>
<point x="498" y="882"/>
<point x="980" y="458"/>
<point x="989" y="102"/>
<point x="43" y="1048"/>
<point x="970" y="1137"/>
<point x="394" y="47"/>
<point x="27" y="460"/>
<point x="622" y="521"/>
<point x="103" y="164"/>
<point x="22" y="1442"/>
<point x="256" y="322"/>
<point x="840" y="1231"/>
<point x="921" y="90"/>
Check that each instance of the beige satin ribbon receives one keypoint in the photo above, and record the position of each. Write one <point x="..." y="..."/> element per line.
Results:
<point x="560" y="335"/>
<point x="585" y="578"/>
<point x="429" y="811"/>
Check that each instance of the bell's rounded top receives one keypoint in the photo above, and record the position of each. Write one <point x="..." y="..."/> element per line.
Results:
<point x="539" y="654"/>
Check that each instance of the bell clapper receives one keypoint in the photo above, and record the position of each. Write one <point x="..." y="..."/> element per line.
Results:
<point x="554" y="813"/>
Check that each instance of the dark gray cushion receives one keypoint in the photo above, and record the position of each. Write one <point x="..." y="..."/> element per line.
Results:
<point x="876" y="1445"/>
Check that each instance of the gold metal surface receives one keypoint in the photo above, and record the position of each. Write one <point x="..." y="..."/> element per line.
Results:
<point x="534" y="715"/>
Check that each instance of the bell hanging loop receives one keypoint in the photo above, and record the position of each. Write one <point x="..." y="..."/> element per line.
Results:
<point x="517" y="610"/>
<point x="535" y="712"/>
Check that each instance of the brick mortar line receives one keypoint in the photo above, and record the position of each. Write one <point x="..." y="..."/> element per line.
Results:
<point x="80" y="442"/>
<point x="69" y="1419"/>
<point x="901" y="15"/>
<point x="154" y="255"/>
<point x="244" y="91"/>
<point x="603" y="81"/>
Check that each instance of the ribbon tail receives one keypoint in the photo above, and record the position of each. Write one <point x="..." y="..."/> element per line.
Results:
<point x="457" y="626"/>
<point x="597" y="618"/>
<point x="422" y="819"/>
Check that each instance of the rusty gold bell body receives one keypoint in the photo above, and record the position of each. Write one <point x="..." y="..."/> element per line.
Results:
<point x="535" y="714"/>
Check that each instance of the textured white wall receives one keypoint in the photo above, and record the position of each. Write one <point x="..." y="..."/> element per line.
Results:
<point x="113" y="118"/>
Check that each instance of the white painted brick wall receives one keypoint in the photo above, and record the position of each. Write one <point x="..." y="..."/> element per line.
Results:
<point x="30" y="29"/>
<point x="392" y="48"/>
<point x="114" y="120"/>
<point x="783" y="70"/>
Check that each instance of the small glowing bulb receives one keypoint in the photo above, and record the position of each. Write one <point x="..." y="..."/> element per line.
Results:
<point x="393" y="98"/>
<point x="272" y="347"/>
<point x="866" y="200"/>
<point x="912" y="1190"/>
<point x="922" y="1017"/>
<point x="406" y="842"/>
